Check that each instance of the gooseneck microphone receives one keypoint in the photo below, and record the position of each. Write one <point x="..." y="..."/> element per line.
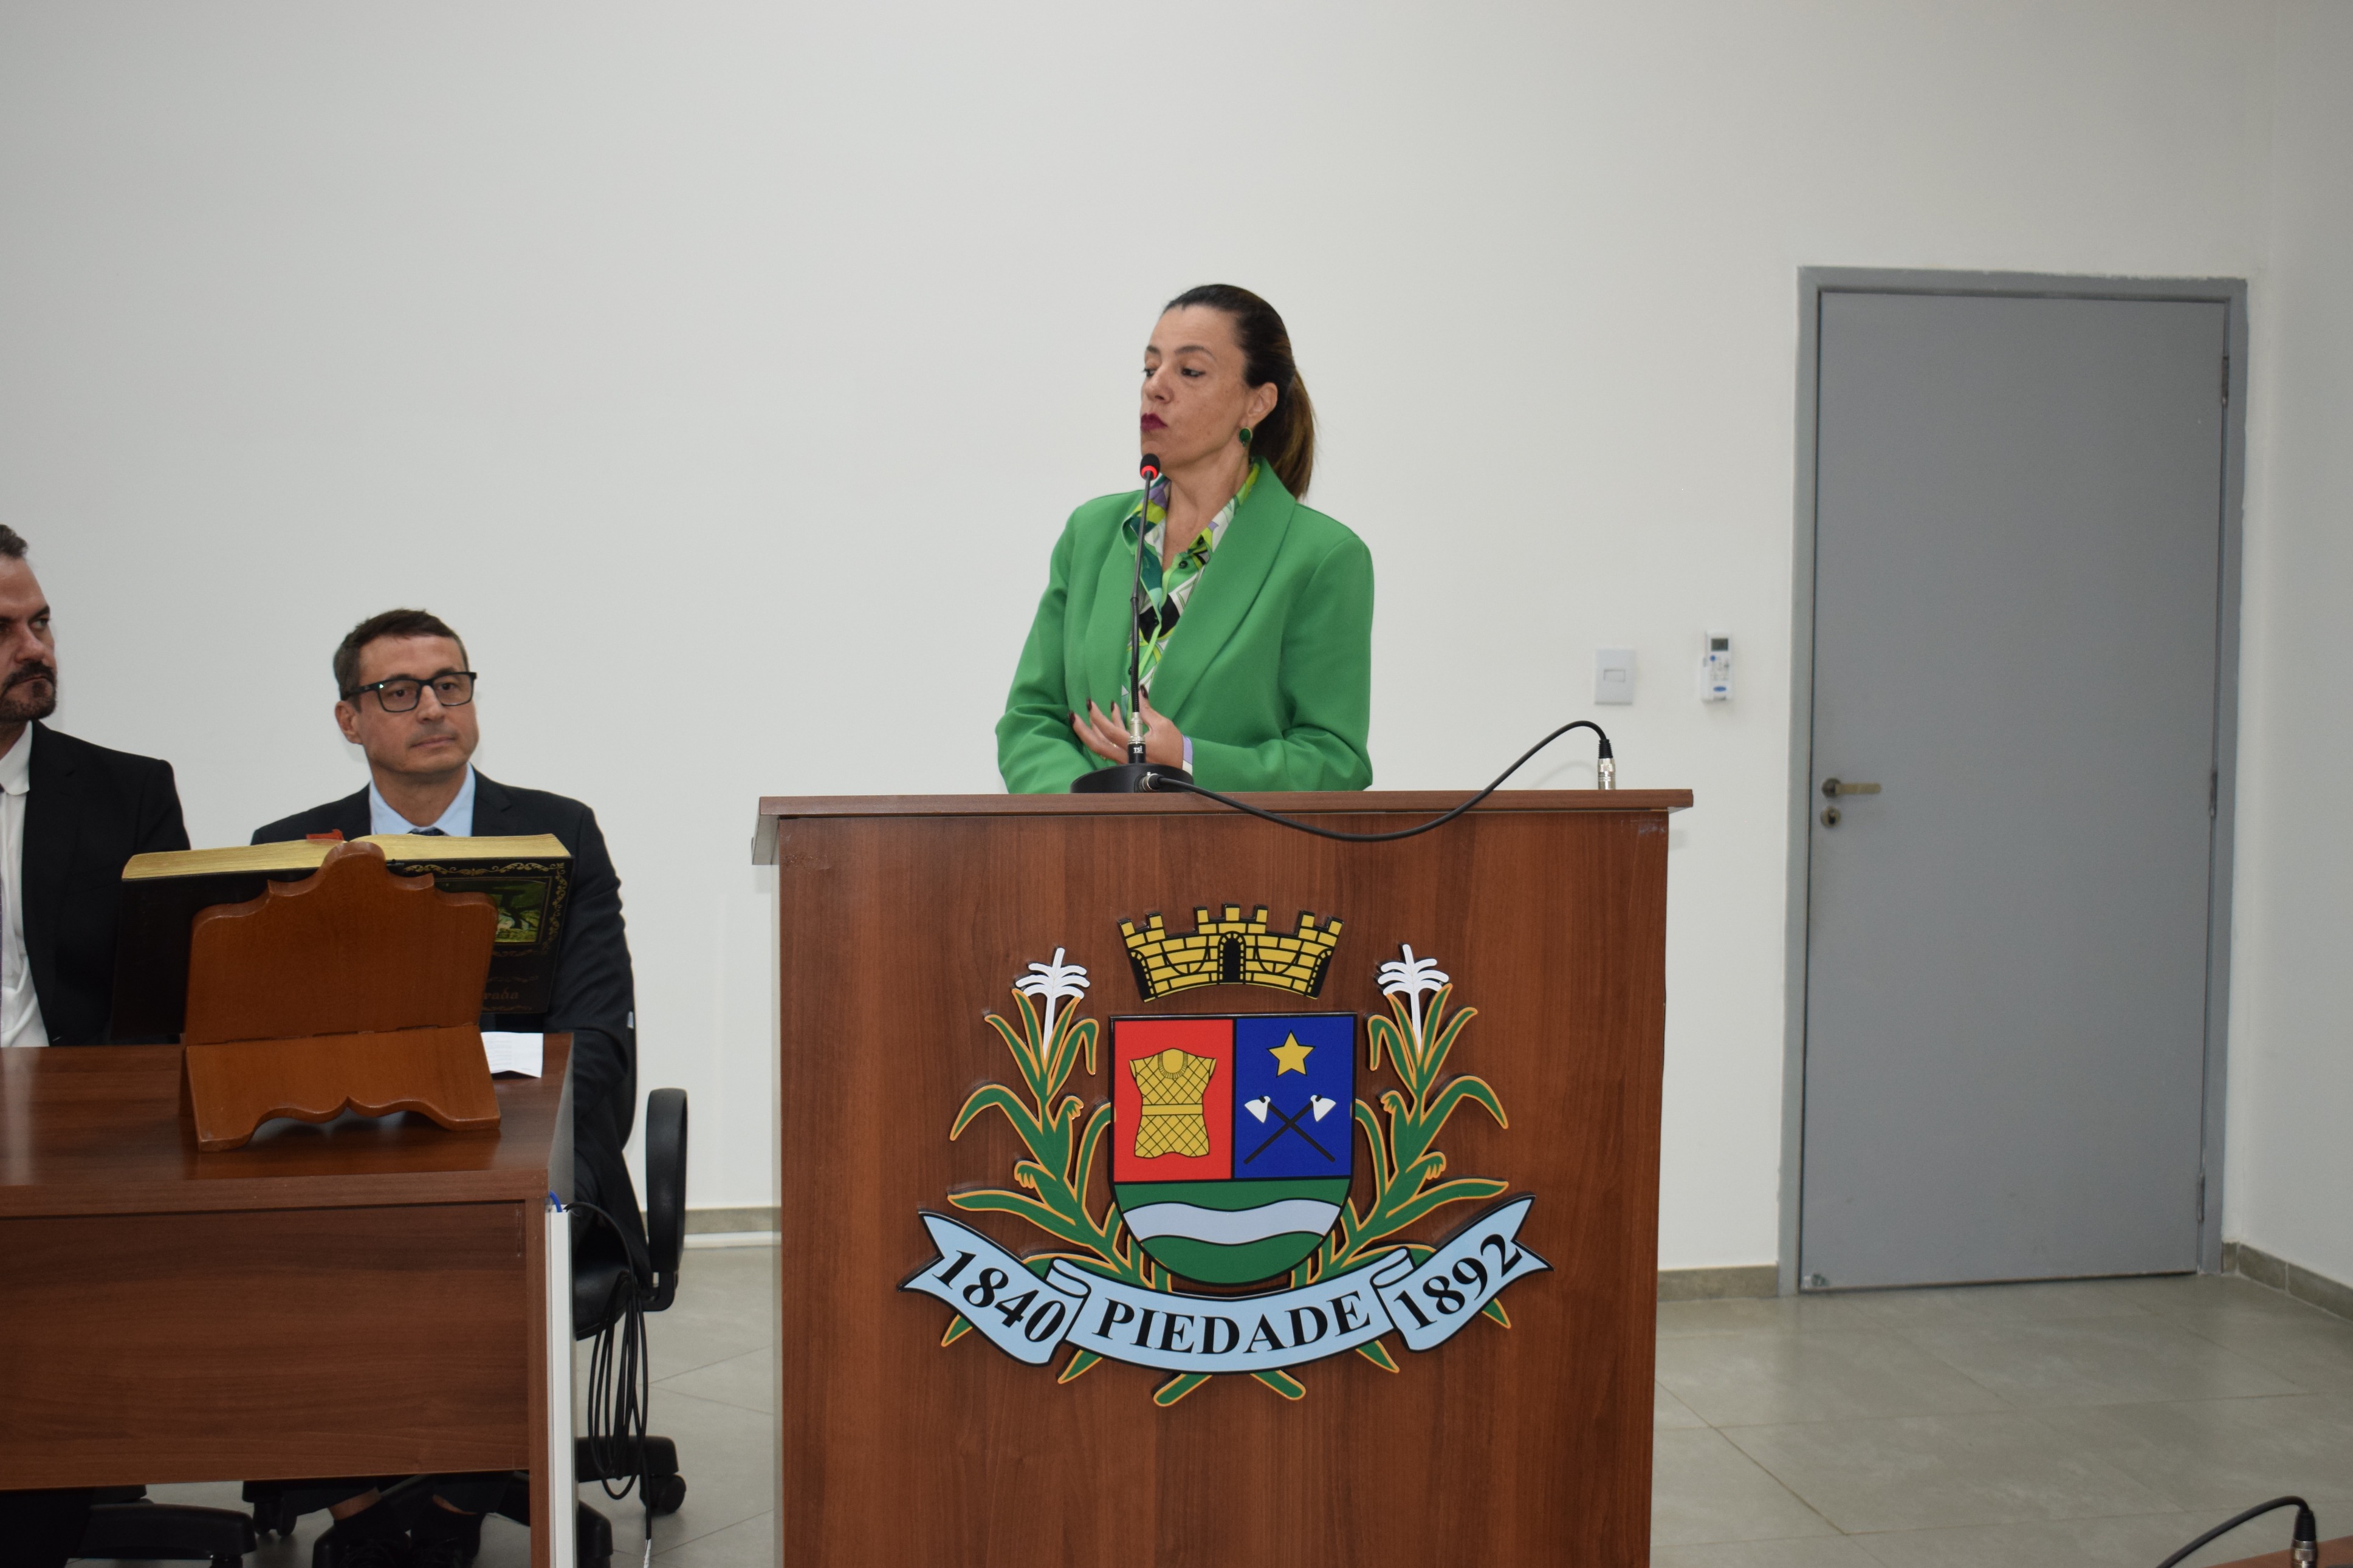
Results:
<point x="1135" y="776"/>
<point x="1149" y="471"/>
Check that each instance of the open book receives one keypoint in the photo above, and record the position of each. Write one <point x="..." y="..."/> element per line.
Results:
<point x="528" y="878"/>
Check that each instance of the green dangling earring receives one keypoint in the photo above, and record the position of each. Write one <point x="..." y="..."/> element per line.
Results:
<point x="1246" y="434"/>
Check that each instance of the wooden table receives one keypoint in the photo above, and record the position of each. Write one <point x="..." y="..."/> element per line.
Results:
<point x="362" y="1298"/>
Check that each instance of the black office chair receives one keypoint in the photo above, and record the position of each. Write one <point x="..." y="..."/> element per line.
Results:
<point x="604" y="1279"/>
<point x="123" y="1524"/>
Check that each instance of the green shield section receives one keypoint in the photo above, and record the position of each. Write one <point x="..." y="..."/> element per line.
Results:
<point x="1231" y="1233"/>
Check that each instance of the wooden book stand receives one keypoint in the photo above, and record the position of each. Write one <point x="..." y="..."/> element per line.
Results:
<point x="350" y="989"/>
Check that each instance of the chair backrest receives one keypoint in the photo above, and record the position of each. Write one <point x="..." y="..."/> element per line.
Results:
<point x="601" y="1264"/>
<point x="665" y="1191"/>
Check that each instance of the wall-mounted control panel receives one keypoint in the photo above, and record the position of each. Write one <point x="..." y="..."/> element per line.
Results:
<point x="1715" y="668"/>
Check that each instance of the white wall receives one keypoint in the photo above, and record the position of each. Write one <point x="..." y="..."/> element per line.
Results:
<point x="2289" y="1172"/>
<point x="725" y="373"/>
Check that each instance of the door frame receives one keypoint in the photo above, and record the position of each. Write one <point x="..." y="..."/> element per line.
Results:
<point x="1813" y="283"/>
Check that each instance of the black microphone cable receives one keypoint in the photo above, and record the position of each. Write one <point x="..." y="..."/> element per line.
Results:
<point x="2303" y="1552"/>
<point x="620" y="1385"/>
<point x="1605" y="768"/>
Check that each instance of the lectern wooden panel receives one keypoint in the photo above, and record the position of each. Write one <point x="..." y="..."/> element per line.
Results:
<point x="904" y="925"/>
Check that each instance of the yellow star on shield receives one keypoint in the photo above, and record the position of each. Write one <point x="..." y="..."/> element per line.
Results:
<point x="1290" y="1056"/>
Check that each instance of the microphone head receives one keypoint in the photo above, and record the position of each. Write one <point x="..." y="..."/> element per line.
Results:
<point x="1149" y="467"/>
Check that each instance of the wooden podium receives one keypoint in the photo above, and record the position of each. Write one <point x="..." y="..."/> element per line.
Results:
<point x="1536" y="927"/>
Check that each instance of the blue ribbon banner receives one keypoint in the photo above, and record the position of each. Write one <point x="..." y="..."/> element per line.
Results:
<point x="1029" y="1317"/>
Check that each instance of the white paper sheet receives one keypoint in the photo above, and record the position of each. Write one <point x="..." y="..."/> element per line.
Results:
<point x="513" y="1053"/>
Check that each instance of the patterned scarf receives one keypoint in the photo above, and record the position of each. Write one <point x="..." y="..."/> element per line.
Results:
<point x="1167" y="589"/>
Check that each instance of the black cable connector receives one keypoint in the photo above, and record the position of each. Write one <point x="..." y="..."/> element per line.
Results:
<point x="2304" y="1550"/>
<point x="1601" y="755"/>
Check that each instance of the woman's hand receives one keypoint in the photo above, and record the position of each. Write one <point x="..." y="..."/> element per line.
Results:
<point x="1105" y="734"/>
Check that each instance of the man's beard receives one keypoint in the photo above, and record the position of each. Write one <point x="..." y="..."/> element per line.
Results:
<point x="23" y="698"/>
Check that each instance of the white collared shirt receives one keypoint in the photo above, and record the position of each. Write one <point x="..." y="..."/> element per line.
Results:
<point x="20" y="1006"/>
<point x="458" y="822"/>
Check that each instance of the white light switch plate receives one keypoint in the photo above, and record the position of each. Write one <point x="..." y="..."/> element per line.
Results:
<point x="1613" y="674"/>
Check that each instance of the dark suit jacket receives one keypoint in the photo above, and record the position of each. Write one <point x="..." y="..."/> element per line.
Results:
<point x="88" y="811"/>
<point x="594" y="996"/>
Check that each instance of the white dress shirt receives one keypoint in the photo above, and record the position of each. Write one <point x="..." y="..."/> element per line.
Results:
<point x="458" y="822"/>
<point x="20" y="1008"/>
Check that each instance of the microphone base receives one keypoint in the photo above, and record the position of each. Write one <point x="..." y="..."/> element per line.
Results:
<point x="1127" y="778"/>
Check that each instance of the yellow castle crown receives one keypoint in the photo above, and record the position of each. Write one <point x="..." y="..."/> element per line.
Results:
<point x="1230" y="951"/>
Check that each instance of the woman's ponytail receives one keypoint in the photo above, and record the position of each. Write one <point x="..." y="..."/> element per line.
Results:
<point x="1286" y="437"/>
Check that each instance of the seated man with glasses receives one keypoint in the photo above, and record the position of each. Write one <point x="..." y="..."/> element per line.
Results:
<point x="407" y="699"/>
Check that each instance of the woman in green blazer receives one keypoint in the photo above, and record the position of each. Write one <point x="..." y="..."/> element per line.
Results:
<point x="1256" y="639"/>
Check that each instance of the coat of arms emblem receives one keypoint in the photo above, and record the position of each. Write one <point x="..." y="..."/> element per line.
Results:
<point x="1233" y="1138"/>
<point x="1232" y="1143"/>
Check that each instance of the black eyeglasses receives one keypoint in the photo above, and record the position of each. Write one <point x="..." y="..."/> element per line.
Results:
<point x="401" y="694"/>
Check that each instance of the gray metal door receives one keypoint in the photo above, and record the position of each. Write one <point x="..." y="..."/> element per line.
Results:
<point x="2018" y="536"/>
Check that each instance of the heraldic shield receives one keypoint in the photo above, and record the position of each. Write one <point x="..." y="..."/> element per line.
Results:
<point x="1232" y="1138"/>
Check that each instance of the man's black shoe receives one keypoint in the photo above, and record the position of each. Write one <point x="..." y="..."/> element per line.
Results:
<point x="368" y="1539"/>
<point x="446" y="1539"/>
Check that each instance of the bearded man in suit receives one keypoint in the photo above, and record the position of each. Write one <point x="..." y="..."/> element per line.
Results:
<point x="71" y="815"/>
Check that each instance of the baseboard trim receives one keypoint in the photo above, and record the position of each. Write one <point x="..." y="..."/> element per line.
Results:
<point x="2313" y="1290"/>
<point x="745" y="1226"/>
<point x="1719" y="1284"/>
<point x="2239" y="1257"/>
<point x="730" y="1222"/>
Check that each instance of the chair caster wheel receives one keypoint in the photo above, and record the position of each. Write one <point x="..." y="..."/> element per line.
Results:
<point x="592" y="1538"/>
<point x="667" y="1493"/>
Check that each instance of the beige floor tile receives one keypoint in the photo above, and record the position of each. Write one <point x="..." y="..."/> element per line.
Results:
<point x="1975" y="1304"/>
<point x="725" y="1307"/>
<point x="751" y="1544"/>
<point x="2133" y="1541"/>
<point x="1924" y="1472"/>
<point x="1747" y="1380"/>
<point x="2097" y="1361"/>
<point x="2171" y="1294"/>
<point x="1705" y="1489"/>
<point x="2225" y="1453"/>
<point x="1669" y="1414"/>
<point x="727" y="1454"/>
<point x="1817" y="1552"/>
<point x="1773" y="1315"/>
<point x="747" y="1382"/>
<point x="2304" y="1345"/>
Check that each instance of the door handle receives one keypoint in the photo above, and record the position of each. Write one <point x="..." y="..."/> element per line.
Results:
<point x="1834" y="788"/>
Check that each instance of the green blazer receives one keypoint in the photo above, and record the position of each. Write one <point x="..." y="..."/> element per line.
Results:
<point x="1269" y="673"/>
